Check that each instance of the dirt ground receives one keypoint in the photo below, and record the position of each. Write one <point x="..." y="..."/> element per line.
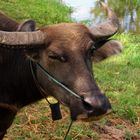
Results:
<point x="117" y="129"/>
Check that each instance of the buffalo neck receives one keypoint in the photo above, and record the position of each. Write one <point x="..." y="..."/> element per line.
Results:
<point x="17" y="85"/>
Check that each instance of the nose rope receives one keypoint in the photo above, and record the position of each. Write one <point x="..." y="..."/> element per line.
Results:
<point x="51" y="78"/>
<point x="66" y="135"/>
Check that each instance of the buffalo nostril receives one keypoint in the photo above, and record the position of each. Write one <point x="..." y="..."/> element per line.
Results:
<point x="99" y="104"/>
<point x="87" y="105"/>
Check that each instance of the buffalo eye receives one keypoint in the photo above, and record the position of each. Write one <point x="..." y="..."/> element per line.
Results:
<point x="91" y="50"/>
<point x="57" y="57"/>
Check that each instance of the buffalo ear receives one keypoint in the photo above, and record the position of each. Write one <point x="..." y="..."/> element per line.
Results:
<point x="107" y="49"/>
<point x="27" y="26"/>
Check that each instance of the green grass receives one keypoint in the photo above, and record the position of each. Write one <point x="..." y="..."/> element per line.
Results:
<point x="118" y="76"/>
<point x="44" y="12"/>
<point x="34" y="122"/>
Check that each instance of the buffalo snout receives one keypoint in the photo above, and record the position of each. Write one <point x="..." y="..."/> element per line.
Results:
<point x="97" y="105"/>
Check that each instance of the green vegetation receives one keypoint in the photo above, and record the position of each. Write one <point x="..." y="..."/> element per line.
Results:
<point x="118" y="76"/>
<point x="44" y="12"/>
<point x="124" y="10"/>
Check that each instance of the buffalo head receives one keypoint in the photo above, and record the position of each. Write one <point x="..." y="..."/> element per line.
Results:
<point x="67" y="51"/>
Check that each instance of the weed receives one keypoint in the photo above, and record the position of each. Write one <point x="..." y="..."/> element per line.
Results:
<point x="138" y="131"/>
<point x="128" y="135"/>
<point x="120" y="126"/>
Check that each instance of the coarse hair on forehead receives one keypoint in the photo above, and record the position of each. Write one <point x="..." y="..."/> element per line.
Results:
<point x="67" y="32"/>
<point x="66" y="27"/>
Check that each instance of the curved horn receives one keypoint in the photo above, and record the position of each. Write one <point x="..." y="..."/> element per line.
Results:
<point x="21" y="39"/>
<point x="107" y="28"/>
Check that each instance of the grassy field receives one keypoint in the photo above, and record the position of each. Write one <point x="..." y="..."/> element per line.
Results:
<point x="118" y="76"/>
<point x="44" y="12"/>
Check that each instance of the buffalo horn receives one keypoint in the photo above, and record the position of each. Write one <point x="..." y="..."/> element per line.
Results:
<point x="107" y="28"/>
<point x="21" y="39"/>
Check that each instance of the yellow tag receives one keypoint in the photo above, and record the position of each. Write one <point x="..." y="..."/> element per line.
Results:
<point x="52" y="100"/>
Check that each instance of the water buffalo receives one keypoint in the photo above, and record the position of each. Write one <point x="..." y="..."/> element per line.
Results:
<point x="67" y="51"/>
